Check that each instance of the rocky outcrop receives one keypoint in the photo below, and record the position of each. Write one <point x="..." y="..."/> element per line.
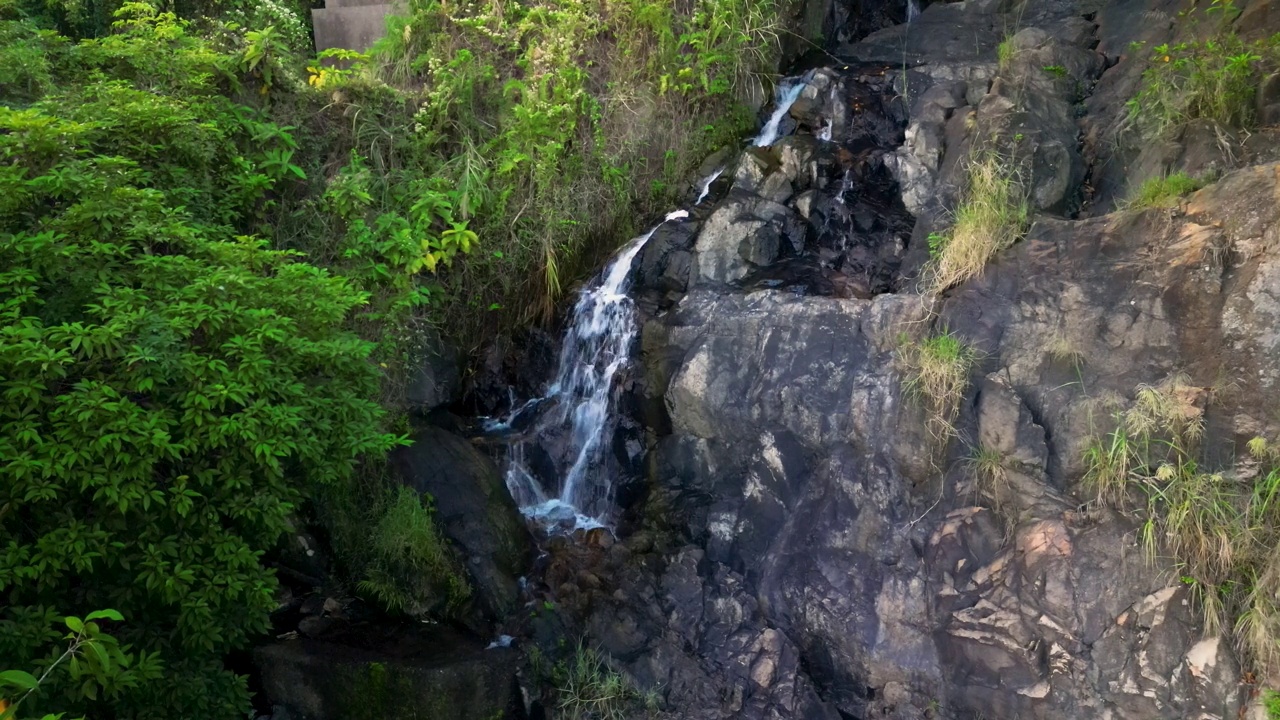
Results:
<point x="472" y="509"/>
<point x="823" y="555"/>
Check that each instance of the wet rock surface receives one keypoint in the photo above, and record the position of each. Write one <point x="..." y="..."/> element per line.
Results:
<point x="387" y="672"/>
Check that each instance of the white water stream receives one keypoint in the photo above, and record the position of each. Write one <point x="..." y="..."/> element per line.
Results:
<point x="596" y="347"/>
<point x="913" y="10"/>
<point x="788" y="91"/>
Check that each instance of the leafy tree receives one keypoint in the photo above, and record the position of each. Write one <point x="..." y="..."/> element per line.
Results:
<point x="170" y="387"/>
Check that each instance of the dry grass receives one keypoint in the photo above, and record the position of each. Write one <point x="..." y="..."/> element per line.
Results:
<point x="993" y="214"/>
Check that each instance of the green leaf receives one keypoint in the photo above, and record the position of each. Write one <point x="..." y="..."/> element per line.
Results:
<point x="19" y="679"/>
<point x="74" y="624"/>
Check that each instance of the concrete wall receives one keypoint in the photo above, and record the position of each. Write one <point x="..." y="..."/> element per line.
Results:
<point x="350" y="24"/>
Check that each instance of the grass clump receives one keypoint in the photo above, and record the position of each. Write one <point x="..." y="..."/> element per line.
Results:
<point x="1220" y="527"/>
<point x="990" y="471"/>
<point x="588" y="689"/>
<point x="1004" y="53"/>
<point x="1163" y="192"/>
<point x="992" y="215"/>
<point x="936" y="374"/>
<point x="386" y="537"/>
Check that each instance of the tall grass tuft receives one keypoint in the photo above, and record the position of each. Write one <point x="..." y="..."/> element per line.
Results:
<point x="936" y="374"/>
<point x="992" y="215"/>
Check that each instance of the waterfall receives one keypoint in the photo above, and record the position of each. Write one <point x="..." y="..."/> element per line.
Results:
<point x="913" y="10"/>
<point x="596" y="346"/>
<point x="574" y="420"/>
<point x="704" y="187"/>
<point x="788" y="90"/>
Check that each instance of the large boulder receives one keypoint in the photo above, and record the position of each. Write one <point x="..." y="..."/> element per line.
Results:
<point x="473" y="509"/>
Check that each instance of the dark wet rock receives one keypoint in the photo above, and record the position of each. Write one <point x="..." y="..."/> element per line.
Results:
<point x="415" y="675"/>
<point x="472" y="509"/>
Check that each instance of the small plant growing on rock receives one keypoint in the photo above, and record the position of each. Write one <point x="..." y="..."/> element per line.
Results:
<point x="992" y="215"/>
<point x="1004" y="53"/>
<point x="1213" y="80"/>
<point x="936" y="374"/>
<point x="1163" y="192"/>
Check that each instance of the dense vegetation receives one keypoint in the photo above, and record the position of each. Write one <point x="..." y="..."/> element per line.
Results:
<point x="217" y="258"/>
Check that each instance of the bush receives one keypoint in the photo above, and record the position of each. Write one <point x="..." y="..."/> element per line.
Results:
<point x="1213" y="80"/>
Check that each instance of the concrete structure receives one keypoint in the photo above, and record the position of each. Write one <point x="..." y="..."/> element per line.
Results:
<point x="350" y="24"/>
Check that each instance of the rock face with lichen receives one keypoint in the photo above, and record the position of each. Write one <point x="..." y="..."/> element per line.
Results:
<point x="810" y="550"/>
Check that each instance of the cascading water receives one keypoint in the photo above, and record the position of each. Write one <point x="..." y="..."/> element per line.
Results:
<point x="596" y="346"/>
<point x="704" y="187"/>
<point x="913" y="10"/>
<point x="788" y="91"/>
<point x="575" y="414"/>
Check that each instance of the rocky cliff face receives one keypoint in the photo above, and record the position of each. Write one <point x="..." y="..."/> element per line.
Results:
<point x="810" y="550"/>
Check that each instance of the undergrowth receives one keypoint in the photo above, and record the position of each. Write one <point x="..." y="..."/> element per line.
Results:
<point x="993" y="213"/>
<point x="1213" y="79"/>
<point x="518" y="143"/>
<point x="935" y="373"/>
<point x="1220" y="526"/>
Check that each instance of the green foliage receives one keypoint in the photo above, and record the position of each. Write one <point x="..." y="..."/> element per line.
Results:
<point x="992" y="215"/>
<point x="935" y="372"/>
<point x="96" y="667"/>
<point x="171" y="385"/>
<point x="1271" y="701"/>
<point x="1055" y="70"/>
<point x="1220" y="527"/>
<point x="1213" y="79"/>
<point x="1163" y="192"/>
<point x="537" y="133"/>
<point x="1004" y="53"/>
<point x="385" y="535"/>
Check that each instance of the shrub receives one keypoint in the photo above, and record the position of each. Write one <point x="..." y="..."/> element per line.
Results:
<point x="91" y="660"/>
<point x="993" y="213"/>
<point x="1163" y="192"/>
<point x="1213" y="80"/>
<point x="936" y="374"/>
